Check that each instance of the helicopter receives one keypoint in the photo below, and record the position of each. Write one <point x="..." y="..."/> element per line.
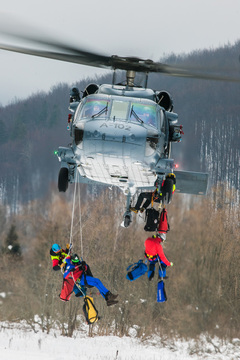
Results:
<point x="122" y="136"/>
<point x="121" y="133"/>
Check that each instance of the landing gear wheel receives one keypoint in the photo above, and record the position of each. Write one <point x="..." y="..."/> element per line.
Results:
<point x="127" y="220"/>
<point x="167" y="190"/>
<point x="63" y="179"/>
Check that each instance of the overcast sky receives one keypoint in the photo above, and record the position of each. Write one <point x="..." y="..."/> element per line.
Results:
<point x="144" y="28"/>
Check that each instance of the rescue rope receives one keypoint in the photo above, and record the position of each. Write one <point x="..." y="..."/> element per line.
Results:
<point x="77" y="192"/>
<point x="160" y="267"/>
<point x="80" y="216"/>
<point x="73" y="211"/>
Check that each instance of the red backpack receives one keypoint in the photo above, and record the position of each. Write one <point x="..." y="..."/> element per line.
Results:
<point x="67" y="289"/>
<point x="163" y="226"/>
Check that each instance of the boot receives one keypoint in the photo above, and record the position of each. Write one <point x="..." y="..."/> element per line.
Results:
<point x="110" y="299"/>
<point x="109" y="296"/>
<point x="111" y="302"/>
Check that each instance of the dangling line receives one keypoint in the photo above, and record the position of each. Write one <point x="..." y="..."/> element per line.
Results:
<point x="80" y="217"/>
<point x="73" y="208"/>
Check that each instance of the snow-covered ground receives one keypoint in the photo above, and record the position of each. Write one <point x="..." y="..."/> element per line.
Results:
<point x="20" y="342"/>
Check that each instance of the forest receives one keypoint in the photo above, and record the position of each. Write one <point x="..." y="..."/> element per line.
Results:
<point x="202" y="286"/>
<point x="203" y="242"/>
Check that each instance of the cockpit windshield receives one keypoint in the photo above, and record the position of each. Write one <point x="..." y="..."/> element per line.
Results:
<point x="95" y="108"/>
<point x="143" y="113"/>
<point x="119" y="110"/>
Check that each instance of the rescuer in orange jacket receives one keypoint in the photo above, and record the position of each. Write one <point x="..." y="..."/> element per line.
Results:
<point x="153" y="252"/>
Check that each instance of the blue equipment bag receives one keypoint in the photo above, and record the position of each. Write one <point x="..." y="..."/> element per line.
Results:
<point x="136" y="270"/>
<point x="161" y="293"/>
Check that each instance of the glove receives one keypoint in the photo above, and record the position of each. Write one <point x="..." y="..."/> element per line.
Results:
<point x="68" y="246"/>
<point x="171" y="264"/>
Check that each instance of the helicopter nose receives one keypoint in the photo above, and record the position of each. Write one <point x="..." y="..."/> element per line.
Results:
<point x="115" y="139"/>
<point x="117" y="154"/>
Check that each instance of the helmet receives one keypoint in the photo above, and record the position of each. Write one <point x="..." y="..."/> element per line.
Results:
<point x="56" y="247"/>
<point x="171" y="176"/>
<point x="162" y="236"/>
<point x="75" y="258"/>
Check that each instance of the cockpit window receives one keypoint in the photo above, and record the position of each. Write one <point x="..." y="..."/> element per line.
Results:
<point x="119" y="109"/>
<point x="122" y="110"/>
<point x="144" y="113"/>
<point x="95" y="108"/>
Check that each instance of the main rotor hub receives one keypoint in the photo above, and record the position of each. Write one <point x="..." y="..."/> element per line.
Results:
<point x="130" y="77"/>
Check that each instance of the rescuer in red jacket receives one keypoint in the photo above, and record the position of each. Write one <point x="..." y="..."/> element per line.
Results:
<point x="153" y="251"/>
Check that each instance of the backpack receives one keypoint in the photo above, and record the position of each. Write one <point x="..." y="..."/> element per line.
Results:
<point x="90" y="311"/>
<point x="67" y="289"/>
<point x="163" y="226"/>
<point x="136" y="270"/>
<point x="151" y="220"/>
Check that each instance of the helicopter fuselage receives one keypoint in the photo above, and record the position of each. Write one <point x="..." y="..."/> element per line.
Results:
<point x="119" y="139"/>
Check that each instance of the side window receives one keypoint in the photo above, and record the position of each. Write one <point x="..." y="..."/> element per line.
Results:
<point x="87" y="110"/>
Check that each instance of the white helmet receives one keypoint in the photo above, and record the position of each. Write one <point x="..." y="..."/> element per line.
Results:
<point x="162" y="236"/>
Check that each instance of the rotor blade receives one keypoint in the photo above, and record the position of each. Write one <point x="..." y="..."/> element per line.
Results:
<point x="72" y="54"/>
<point x="128" y="63"/>
<point x="83" y="58"/>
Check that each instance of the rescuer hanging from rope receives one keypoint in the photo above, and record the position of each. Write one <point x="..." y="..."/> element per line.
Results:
<point x="58" y="255"/>
<point x="77" y="275"/>
<point x="78" y="270"/>
<point x="153" y="252"/>
<point x="168" y="186"/>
